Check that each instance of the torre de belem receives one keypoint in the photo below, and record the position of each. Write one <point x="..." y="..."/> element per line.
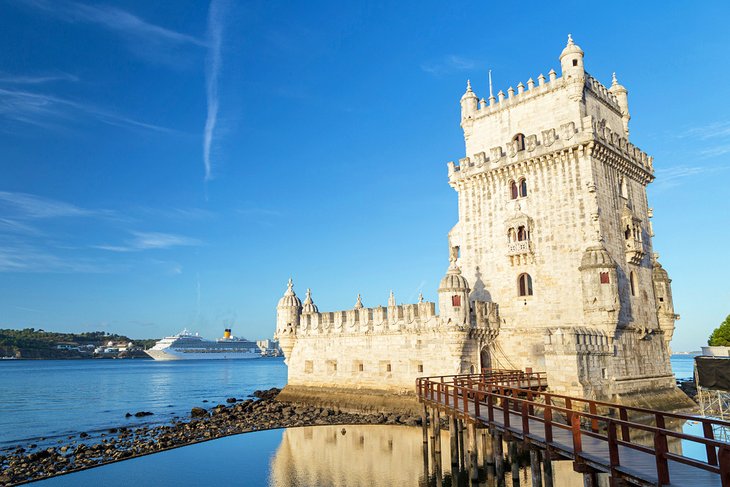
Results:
<point x="551" y="265"/>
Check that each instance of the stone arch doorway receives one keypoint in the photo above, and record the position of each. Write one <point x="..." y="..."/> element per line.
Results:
<point x="485" y="358"/>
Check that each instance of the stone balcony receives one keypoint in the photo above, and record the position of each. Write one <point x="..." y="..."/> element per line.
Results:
<point x="520" y="247"/>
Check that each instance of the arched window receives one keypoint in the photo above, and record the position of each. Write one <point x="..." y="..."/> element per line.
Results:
<point x="513" y="190"/>
<point x="519" y="141"/>
<point x="512" y="235"/>
<point x="632" y="281"/>
<point x="521" y="234"/>
<point x="523" y="187"/>
<point x="524" y="285"/>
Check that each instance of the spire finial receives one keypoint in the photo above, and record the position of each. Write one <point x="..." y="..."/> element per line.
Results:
<point x="570" y="40"/>
<point x="491" y="94"/>
<point x="614" y="81"/>
<point x="420" y="297"/>
<point x="468" y="85"/>
<point x="358" y="304"/>
<point x="391" y="299"/>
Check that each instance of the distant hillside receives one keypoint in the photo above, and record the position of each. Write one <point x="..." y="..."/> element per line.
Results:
<point x="40" y="344"/>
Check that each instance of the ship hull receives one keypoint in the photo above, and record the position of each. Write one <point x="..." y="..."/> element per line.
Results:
<point x="168" y="354"/>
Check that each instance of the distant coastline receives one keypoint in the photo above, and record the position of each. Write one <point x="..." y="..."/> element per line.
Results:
<point x="32" y="344"/>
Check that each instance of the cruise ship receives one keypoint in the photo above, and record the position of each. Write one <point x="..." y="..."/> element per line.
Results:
<point x="188" y="346"/>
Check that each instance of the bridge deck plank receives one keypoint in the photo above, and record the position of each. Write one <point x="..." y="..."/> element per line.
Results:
<point x="633" y="463"/>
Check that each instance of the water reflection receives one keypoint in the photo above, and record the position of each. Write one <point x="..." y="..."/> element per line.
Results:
<point x="381" y="455"/>
<point x="317" y="456"/>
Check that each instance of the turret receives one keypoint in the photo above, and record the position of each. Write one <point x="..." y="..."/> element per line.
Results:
<point x="454" y="297"/>
<point x="622" y="97"/>
<point x="308" y="306"/>
<point x="468" y="103"/>
<point x="288" y="312"/>
<point x="571" y="60"/>
<point x="599" y="281"/>
<point x="664" y="302"/>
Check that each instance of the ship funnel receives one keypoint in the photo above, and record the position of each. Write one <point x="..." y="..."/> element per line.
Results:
<point x="227" y="333"/>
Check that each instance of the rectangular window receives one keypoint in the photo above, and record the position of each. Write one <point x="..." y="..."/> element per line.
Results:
<point x="332" y="366"/>
<point x="604" y="278"/>
<point x="456" y="301"/>
<point x="388" y="368"/>
<point x="420" y="368"/>
<point x="308" y="367"/>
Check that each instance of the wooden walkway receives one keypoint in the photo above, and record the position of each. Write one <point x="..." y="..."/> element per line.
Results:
<point x="597" y="436"/>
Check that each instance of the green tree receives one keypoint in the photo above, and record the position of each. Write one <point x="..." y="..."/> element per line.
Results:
<point x="721" y="335"/>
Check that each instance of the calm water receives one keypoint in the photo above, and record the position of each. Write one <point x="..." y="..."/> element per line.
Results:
<point x="320" y="456"/>
<point x="51" y="398"/>
<point x="55" y="398"/>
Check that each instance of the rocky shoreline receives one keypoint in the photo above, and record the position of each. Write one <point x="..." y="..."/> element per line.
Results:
<point x="237" y="416"/>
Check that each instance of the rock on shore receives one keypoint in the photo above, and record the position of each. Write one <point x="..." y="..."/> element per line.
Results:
<point x="265" y="412"/>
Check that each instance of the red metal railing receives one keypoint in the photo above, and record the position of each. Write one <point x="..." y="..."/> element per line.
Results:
<point x="493" y="392"/>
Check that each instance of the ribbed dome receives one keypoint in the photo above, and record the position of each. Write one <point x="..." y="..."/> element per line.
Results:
<point x="290" y="298"/>
<point x="453" y="280"/>
<point x="309" y="306"/>
<point x="658" y="273"/>
<point x="571" y="48"/>
<point x="616" y="87"/>
<point x="468" y="93"/>
<point x="597" y="256"/>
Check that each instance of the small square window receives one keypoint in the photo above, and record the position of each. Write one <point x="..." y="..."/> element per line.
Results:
<point x="456" y="301"/>
<point x="361" y="367"/>
<point x="605" y="278"/>
<point x="420" y="367"/>
<point x="308" y="367"/>
<point x="388" y="368"/>
<point x="575" y="62"/>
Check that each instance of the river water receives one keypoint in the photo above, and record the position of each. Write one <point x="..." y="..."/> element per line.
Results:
<point x="54" y="398"/>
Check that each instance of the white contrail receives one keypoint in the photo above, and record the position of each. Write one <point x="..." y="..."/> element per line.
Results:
<point x="212" y="70"/>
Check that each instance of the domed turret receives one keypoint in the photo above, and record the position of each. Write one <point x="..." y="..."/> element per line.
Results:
<point x="597" y="257"/>
<point x="288" y="312"/>
<point x="571" y="60"/>
<point x="622" y="97"/>
<point x="468" y="103"/>
<point x="599" y="281"/>
<point x="454" y="297"/>
<point x="358" y="303"/>
<point x="664" y="302"/>
<point x="309" y="306"/>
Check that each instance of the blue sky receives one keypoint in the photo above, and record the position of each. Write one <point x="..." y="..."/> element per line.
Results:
<point x="171" y="165"/>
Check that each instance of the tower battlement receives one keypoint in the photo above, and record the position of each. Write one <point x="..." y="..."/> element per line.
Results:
<point x="551" y="143"/>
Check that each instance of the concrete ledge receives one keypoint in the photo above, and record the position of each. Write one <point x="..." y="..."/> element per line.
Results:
<point x="354" y="400"/>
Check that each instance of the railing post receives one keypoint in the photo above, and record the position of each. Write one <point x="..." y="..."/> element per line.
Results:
<point x="569" y="407"/>
<point x="547" y="415"/>
<point x="613" y="457"/>
<point x="577" y="439"/>
<point x="660" y="451"/>
<point x="625" y="435"/>
<point x="594" y="421"/>
<point x="725" y="466"/>
<point x="477" y="397"/>
<point x="505" y="410"/>
<point x="525" y="420"/>
<point x="465" y="396"/>
<point x="446" y="394"/>
<point x="710" y="435"/>
<point x="490" y="406"/>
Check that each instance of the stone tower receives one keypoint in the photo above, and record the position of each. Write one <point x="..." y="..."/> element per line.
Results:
<point x="551" y="265"/>
<point x="554" y="228"/>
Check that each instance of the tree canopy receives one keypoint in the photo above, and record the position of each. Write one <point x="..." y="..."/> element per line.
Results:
<point x="721" y="335"/>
